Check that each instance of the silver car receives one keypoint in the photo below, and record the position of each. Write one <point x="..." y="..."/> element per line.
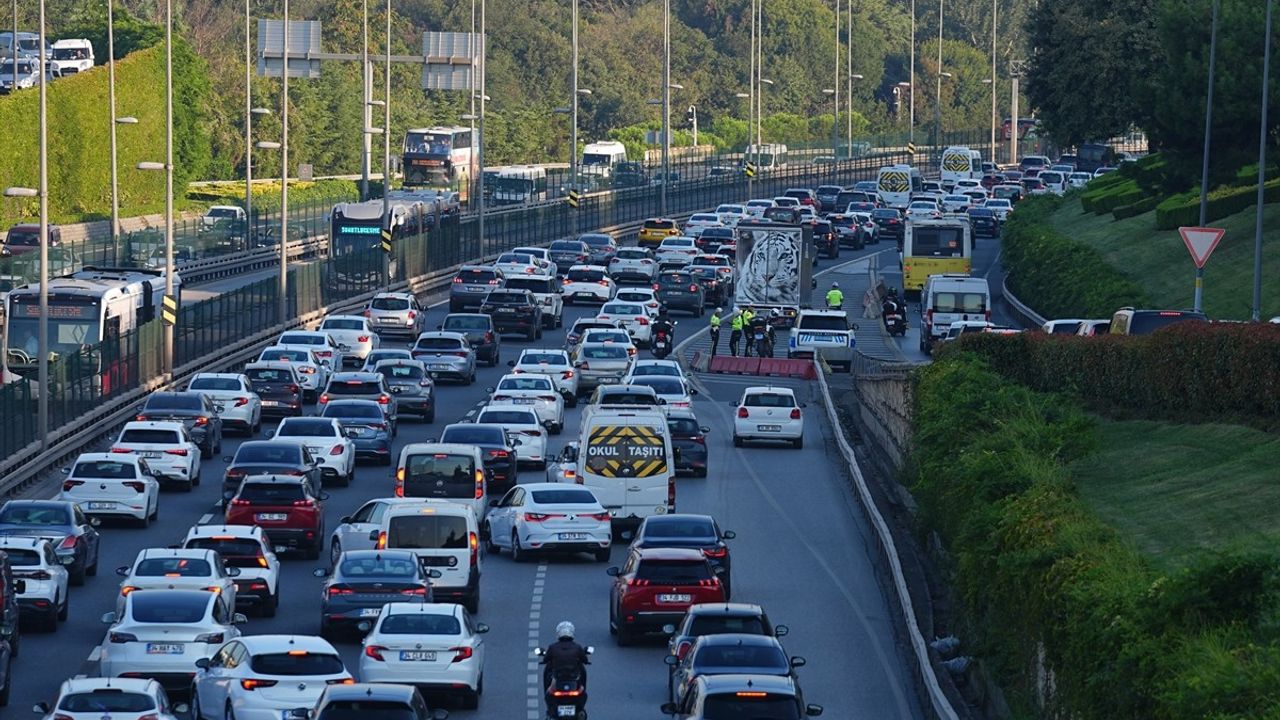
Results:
<point x="381" y="354"/>
<point x="603" y="248"/>
<point x="396" y="314"/>
<point x="412" y="386"/>
<point x="600" y="364"/>
<point x="446" y="355"/>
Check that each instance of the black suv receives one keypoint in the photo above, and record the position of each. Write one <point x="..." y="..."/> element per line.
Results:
<point x="194" y="410"/>
<point x="514" y="311"/>
<point x="480" y="331"/>
<point x="680" y="290"/>
<point x="499" y="453"/>
<point x="890" y="221"/>
<point x="713" y="237"/>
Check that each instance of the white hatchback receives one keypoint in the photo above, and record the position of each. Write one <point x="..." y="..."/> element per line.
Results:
<point x="435" y="646"/>
<point x="646" y="296"/>
<point x="92" y="698"/>
<point x="633" y="316"/>
<point x="768" y="413"/>
<point x="326" y="347"/>
<point x="169" y="451"/>
<point x="731" y="215"/>
<point x="177" y="569"/>
<point x="703" y="220"/>
<point x="355" y="337"/>
<point x="244" y="547"/>
<point x="241" y="406"/>
<point x="673" y="391"/>
<point x="164" y="632"/>
<point x="520" y="421"/>
<point x="550" y="518"/>
<point x="588" y="283"/>
<point x="263" y="677"/>
<point x="113" y="485"/>
<point x="677" y="248"/>
<point x="313" y="373"/>
<point x="554" y="364"/>
<point x="34" y="562"/>
<point x="533" y="391"/>
<point x="651" y="366"/>
<point x="632" y="263"/>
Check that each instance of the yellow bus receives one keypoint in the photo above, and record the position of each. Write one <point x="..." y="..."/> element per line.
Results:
<point x="934" y="247"/>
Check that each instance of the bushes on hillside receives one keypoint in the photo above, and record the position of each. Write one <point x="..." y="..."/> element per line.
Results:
<point x="1144" y="205"/>
<point x="1184" y="209"/>
<point x="1056" y="275"/>
<point x="1046" y="585"/>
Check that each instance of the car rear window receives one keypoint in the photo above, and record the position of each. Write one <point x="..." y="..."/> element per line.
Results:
<point x="605" y="352"/>
<point x="271" y="493"/>
<point x="769" y="400"/>
<point x="964" y="302"/>
<point x="286" y="355"/>
<point x="274" y="453"/>
<point x="823" y="322"/>
<point x="675" y="278"/>
<point x="293" y="663"/>
<point x="472" y="435"/>
<point x="368" y="410"/>
<point x="522" y="258"/>
<point x="566" y="246"/>
<point x="673" y="572"/>
<point x="717" y="232"/>
<point x="440" y="475"/>
<point x="22" y="558"/>
<point x="380" y="565"/>
<point x="353" y="387"/>
<point x="536" y="285"/>
<point x="477" y="276"/>
<point x="288" y="339"/>
<point x="718" y="624"/>
<point x="764" y="657"/>
<point x="307" y="429"/>
<point x="611" y="335"/>
<point x="635" y="254"/>
<point x="215" y="384"/>
<point x="507" y="298"/>
<point x="175" y="402"/>
<point x="1148" y="322"/>
<point x="173" y="567"/>
<point x="268" y="375"/>
<point x="343" y="324"/>
<point x="585" y="275"/>
<point x="596" y="240"/>
<point x="508" y="417"/>
<point x="564" y="497"/>
<point x="661" y="384"/>
<point x="682" y="527"/>
<point x="753" y="704"/>
<point x="401" y="372"/>
<point x="526" y="383"/>
<point x="427" y="532"/>
<point x="438" y="343"/>
<point x="35" y="515"/>
<point x="659" y="224"/>
<point x="367" y="710"/>
<point x="107" y="700"/>
<point x="473" y="322"/>
<point x="420" y="624"/>
<point x="1066" y="328"/>
<point x="163" y="607"/>
<point x="538" y="358"/>
<point x="106" y="469"/>
<point x="236" y="552"/>
<point x="149" y="436"/>
<point x="390" y="303"/>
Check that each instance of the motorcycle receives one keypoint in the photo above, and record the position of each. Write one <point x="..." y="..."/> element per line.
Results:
<point x="661" y="344"/>
<point x="763" y="343"/>
<point x="566" y="696"/>
<point x="895" y="323"/>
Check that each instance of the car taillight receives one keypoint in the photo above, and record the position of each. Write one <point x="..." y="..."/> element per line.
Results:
<point x="644" y="321"/>
<point x="362" y="338"/>
<point x="368" y="313"/>
<point x="335" y="590"/>
<point x="67" y="485"/>
<point x="713" y="582"/>
<point x="566" y="281"/>
<point x="462" y="652"/>
<point x="584" y="366"/>
<point x="566" y="375"/>
<point x="548" y="398"/>
<point x="600" y="516"/>
<point x="117" y="637"/>
<point x="655" y="286"/>
<point x="292" y="388"/>
<point x="180" y="452"/>
<point x="210" y="638"/>
<point x="683" y="649"/>
<point x="240" y="503"/>
<point x="928" y="316"/>
<point x="474" y="541"/>
<point x="124" y="591"/>
<point x="382" y="540"/>
<point x="384" y="399"/>
<point x="135" y="486"/>
<point x="37" y="575"/>
<point x="140" y="418"/>
<point x="324" y="398"/>
<point x="795" y="413"/>
<point x="497" y="398"/>
<point x="67" y="543"/>
<point x="121" y="450"/>
<point x="488" y="337"/>
<point x="457" y="281"/>
<point x="498" y="453"/>
<point x="336" y="450"/>
<point x="693" y="288"/>
<point x="615" y="260"/>
<point x="241" y="402"/>
<point x="340" y="681"/>
<point x="375" y="652"/>
<point x="742" y="412"/>
<point x="671" y="493"/>
<point x="479" y="484"/>
<point x="604" y="283"/>
<point x="200" y="421"/>
<point x="304" y="503"/>
<point x="540" y="517"/>
<point x="717" y="553"/>
<point x="461" y="354"/>
<point x="324" y="354"/>
<point x="414" y="592"/>
<point x="254" y="683"/>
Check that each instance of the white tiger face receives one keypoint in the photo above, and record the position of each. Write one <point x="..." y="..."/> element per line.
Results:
<point x="770" y="272"/>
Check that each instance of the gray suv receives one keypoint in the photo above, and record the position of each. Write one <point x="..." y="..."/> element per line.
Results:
<point x="412" y="386"/>
<point x="363" y="386"/>
<point x="472" y="284"/>
<point x="480" y="332"/>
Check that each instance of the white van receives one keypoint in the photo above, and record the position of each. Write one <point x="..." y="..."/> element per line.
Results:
<point x="951" y="298"/>
<point x="628" y="460"/>
<point x="71" y="56"/>
<point x="445" y="536"/>
<point x="444" y="471"/>
<point x="960" y="163"/>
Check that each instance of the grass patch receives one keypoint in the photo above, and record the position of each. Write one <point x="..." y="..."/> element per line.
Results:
<point x="1176" y="490"/>
<point x="1158" y="261"/>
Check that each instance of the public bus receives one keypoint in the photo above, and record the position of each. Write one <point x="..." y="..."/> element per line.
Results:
<point x="600" y="158"/>
<point x="897" y="183"/>
<point x="87" y="308"/>
<point x="357" y="227"/>
<point x="520" y="184"/>
<point x="442" y="158"/>
<point x="768" y="156"/>
<point x="934" y="247"/>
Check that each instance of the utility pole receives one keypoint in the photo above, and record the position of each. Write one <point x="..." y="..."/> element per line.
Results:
<point x="169" y="268"/>
<point x="248" y="128"/>
<point x="111" y="100"/>
<point x="42" y="419"/>
<point x="835" y="87"/>
<point x="484" y="50"/>
<point x="938" y="97"/>
<point x="1262" y="171"/>
<point x="386" y="152"/>
<point x="666" y="104"/>
<point x="573" y="132"/>
<point x="994" y="10"/>
<point x="911" y="127"/>
<point x="284" y="173"/>
<point x="1208" y="132"/>
<point x="751" y="89"/>
<point x="366" y="85"/>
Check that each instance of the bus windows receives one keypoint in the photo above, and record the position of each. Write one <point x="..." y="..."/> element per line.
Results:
<point x="937" y="242"/>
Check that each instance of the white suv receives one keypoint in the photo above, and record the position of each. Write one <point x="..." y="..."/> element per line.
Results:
<point x="244" y="547"/>
<point x="241" y="406"/>
<point x="36" y="564"/>
<point x="170" y="452"/>
<point x="634" y="264"/>
<point x="553" y="363"/>
<point x="263" y="677"/>
<point x="177" y="569"/>
<point x="588" y="283"/>
<point x="355" y="337"/>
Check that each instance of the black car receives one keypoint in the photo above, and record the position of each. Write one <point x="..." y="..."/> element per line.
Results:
<point x="827" y="195"/>
<point x="514" y="311"/>
<point x="499" y="453"/>
<point x="890" y="222"/>
<point x="983" y="223"/>
<point x="700" y="532"/>
<point x="848" y="230"/>
<point x="825" y="239"/>
<point x="480" y="332"/>
<point x="690" y="440"/>
<point x="10" y="634"/>
<point x="567" y="253"/>
<point x="277" y="385"/>
<point x="680" y="290"/>
<point x="849" y="195"/>
<point x="195" y="410"/>
<point x="712" y="238"/>
<point x="63" y="524"/>
<point x="362" y="581"/>
<point x="268" y="457"/>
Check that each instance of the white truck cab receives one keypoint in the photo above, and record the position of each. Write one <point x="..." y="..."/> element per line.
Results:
<point x="825" y="333"/>
<point x="71" y="56"/>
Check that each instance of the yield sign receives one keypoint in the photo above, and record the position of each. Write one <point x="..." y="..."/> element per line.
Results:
<point x="1201" y="241"/>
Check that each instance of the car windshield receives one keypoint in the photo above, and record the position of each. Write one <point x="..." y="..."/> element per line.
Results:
<point x="296" y="663"/>
<point x="769" y="400"/>
<point x="673" y="572"/>
<point x="420" y="624"/>
<point x="605" y="352"/>
<point x="35" y="515"/>
<point x="174" y="402"/>
<point x="472" y="435"/>
<point x="215" y="383"/>
<point x="379" y="564"/>
<point x="173" y="567"/>
<point x="766" y="658"/>
<point x="307" y="429"/>
<point x="735" y="706"/>
<point x="271" y="493"/>
<point x="107" y="700"/>
<point x="168" y="608"/>
<point x="108" y="469"/>
<point x="525" y="383"/>
<point x="508" y="417"/>
<point x="237" y="552"/>
<point x="563" y="497"/>
<point x="390" y="303"/>
<point x="585" y="276"/>
<point x="343" y="324"/>
<point x="427" y="532"/>
<point x="273" y="453"/>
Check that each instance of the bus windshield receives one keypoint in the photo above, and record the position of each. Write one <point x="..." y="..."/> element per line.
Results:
<point x="597" y="159"/>
<point x="428" y="143"/>
<point x="71" y="327"/>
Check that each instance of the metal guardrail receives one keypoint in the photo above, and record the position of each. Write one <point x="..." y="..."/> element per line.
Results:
<point x="1021" y="309"/>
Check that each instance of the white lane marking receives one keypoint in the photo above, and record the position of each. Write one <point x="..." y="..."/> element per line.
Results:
<point x="993" y="264"/>
<point x="205" y="519"/>
<point x="533" y="681"/>
<point x="97" y="653"/>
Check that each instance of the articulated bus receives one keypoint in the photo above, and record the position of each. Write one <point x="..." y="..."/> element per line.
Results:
<point x="442" y="158"/>
<point x="86" y="308"/>
<point x="934" y="247"/>
<point x="356" y="227"/>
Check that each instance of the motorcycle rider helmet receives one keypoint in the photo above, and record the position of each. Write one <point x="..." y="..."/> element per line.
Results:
<point x="565" y="630"/>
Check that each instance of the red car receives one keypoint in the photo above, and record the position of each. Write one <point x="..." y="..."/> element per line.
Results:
<point x="287" y="507"/>
<point x="656" y="586"/>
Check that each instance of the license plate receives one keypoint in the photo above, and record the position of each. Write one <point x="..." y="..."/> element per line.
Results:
<point x="573" y="536"/>
<point x="506" y="310"/>
<point x="523" y="401"/>
<point x="769" y="428"/>
<point x="566" y="711"/>
<point x="271" y="517"/>
<point x="370" y="612"/>
<point x="389" y="320"/>
<point x="397" y="390"/>
<point x="675" y="598"/>
<point x="164" y="649"/>
<point x="608" y="380"/>
<point x="150" y="454"/>
<point x="584" y="295"/>
<point x="418" y="655"/>
<point x="271" y="403"/>
<point x="439" y="367"/>
<point x="102" y="506"/>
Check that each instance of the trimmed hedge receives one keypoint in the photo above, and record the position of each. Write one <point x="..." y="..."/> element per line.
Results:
<point x="1144" y="205"/>
<point x="1184" y="210"/>
<point x="1056" y="275"/>
<point x="1045" y="585"/>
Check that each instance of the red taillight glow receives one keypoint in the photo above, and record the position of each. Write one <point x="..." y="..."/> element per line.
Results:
<point x="200" y="421"/>
<point x="601" y="516"/>
<point x="254" y="683"/>
<point x="717" y="552"/>
<point x="121" y="450"/>
<point x="336" y="450"/>
<point x="541" y="517"/>
<point x="375" y="652"/>
<point x="180" y="452"/>
<point x="644" y="321"/>
<point x="384" y="399"/>
<point x="461" y="653"/>
<point x="241" y="402"/>
<point x="336" y="590"/>
<point x="68" y="485"/>
<point x="67" y="543"/>
<point x="474" y="541"/>
<point x="742" y="412"/>
<point x="135" y="486"/>
<point x="324" y="398"/>
<point x="362" y="338"/>
<point x="795" y="413"/>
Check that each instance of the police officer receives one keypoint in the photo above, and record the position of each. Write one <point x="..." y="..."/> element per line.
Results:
<point x="747" y="316"/>
<point x="835" y="298"/>
<point x="735" y="334"/>
<point x="715" y="330"/>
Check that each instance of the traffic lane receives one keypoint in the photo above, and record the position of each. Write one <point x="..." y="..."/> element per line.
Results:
<point x="801" y="546"/>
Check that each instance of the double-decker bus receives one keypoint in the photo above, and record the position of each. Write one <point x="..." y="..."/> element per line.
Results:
<point x="87" y="308"/>
<point x="357" y="227"/>
<point x="441" y="158"/>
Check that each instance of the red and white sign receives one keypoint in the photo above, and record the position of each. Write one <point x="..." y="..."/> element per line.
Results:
<point x="1201" y="241"/>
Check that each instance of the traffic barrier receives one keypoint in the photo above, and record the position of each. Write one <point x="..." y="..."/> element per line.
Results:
<point x="732" y="365"/>
<point x="787" y="367"/>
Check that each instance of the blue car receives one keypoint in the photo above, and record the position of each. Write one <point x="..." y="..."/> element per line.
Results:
<point x="373" y="433"/>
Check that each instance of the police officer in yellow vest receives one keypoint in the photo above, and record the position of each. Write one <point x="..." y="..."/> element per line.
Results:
<point x="715" y="330"/>
<point x="835" y="298"/>
<point x="747" y="316"/>
<point x="735" y="334"/>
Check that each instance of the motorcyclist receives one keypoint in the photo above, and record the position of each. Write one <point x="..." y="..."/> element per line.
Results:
<point x="565" y="656"/>
<point x="890" y="305"/>
<point x="835" y="298"/>
<point x="715" y="330"/>
<point x="760" y="324"/>
<point x="663" y="324"/>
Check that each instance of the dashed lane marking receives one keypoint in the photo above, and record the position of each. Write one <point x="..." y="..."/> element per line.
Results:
<point x="533" y="689"/>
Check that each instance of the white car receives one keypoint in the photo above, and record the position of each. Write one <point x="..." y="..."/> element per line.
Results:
<point x="312" y="371"/>
<point x="964" y="185"/>
<point x="633" y="264"/>
<point x="45" y="597"/>
<point x="177" y="569"/>
<point x="244" y="547"/>
<point x="768" y="413"/>
<point x="541" y="256"/>
<point x="756" y="208"/>
<point x="167" y="448"/>
<point x="371" y="362"/>
<point x="633" y="316"/>
<point x="650" y="367"/>
<point x="326" y="347"/>
<point x="1103" y="171"/>
<point x="262" y="677"/>
<point x="786" y="201"/>
<point x="1000" y="207"/>
<point x="923" y="209"/>
<point x="513" y="263"/>
<point x="521" y="421"/>
<point x="673" y="391"/>
<point x="534" y="391"/>
<point x="435" y="646"/>
<point x="703" y="220"/>
<point x="588" y="283"/>
<point x="677" y="248"/>
<point x="730" y="215"/>
<point x="807" y="213"/>
<point x="354" y="335"/>
<point x="955" y="203"/>
<point x="555" y="364"/>
<point x="93" y="698"/>
<point x="611" y="336"/>
<point x="328" y="441"/>
<point x="164" y="632"/>
<point x="1079" y="179"/>
<point x="550" y="518"/>
<point x="241" y="406"/>
<point x="563" y="468"/>
<point x="113" y="485"/>
<point x="353" y="530"/>
<point x="644" y="295"/>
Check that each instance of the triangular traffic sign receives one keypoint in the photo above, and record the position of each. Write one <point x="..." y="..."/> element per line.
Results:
<point x="1201" y="241"/>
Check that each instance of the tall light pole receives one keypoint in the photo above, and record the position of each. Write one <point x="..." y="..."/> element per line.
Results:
<point x="366" y="89"/>
<point x="111" y="101"/>
<point x="745" y="156"/>
<point x="760" y="113"/>
<point x="835" y="89"/>
<point x="911" y="80"/>
<point x="1208" y="132"/>
<point x="283" y="276"/>
<point x="1015" y="127"/>
<point x="483" y="98"/>
<point x="941" y="140"/>
<point x="386" y="148"/>
<point x="751" y="85"/>
<point x="573" y="92"/>
<point x="938" y="97"/>
<point x="991" y="81"/>
<point x="994" y="9"/>
<point x="1262" y="171"/>
<point x="248" y="126"/>
<point x="168" y="176"/>
<point x="666" y="104"/>
<point x="849" y="100"/>
<point x="760" y="72"/>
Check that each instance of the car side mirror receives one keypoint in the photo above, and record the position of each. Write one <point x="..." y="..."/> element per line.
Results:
<point x="239" y="619"/>
<point x="613" y="572"/>
<point x="780" y="631"/>
<point x="728" y="535"/>
<point x="364" y="626"/>
<point x="320" y="572"/>
<point x="324" y="496"/>
<point x="797" y="661"/>
<point x="704" y="429"/>
<point x="203" y="663"/>
<point x="353" y="433"/>
<point x="668" y="708"/>
<point x="232" y="571"/>
<point x="440" y="327"/>
<point x="853" y="326"/>
<point x="67" y="560"/>
<point x="123" y="571"/>
<point x="489" y="390"/>
<point x="804" y="405"/>
<point x="181" y="708"/>
<point x="228" y="459"/>
<point x="671" y="660"/>
<point x="813" y="710"/>
<point x="511" y="363"/>
<point x="481" y="628"/>
<point x="95" y="522"/>
<point x="494" y="502"/>
<point x="66" y="471"/>
<point x="344" y="520"/>
<point x="40" y="708"/>
<point x="373" y="536"/>
<point x="298" y="713"/>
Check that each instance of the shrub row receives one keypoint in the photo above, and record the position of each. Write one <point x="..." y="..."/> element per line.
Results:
<point x="1184" y="209"/>
<point x="1146" y="204"/>
<point x="266" y="195"/>
<point x="1056" y="275"/>
<point x="1095" y="196"/>
<point x="1044" y="583"/>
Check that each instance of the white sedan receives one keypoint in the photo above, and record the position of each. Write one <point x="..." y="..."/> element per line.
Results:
<point x="646" y="296"/>
<point x="312" y="372"/>
<point x="241" y="406"/>
<point x="673" y="391"/>
<point x="677" y="248"/>
<point x="541" y="256"/>
<point x="328" y="441"/>
<point x="35" y="563"/>
<point x="169" y="451"/>
<point x="730" y="215"/>
<point x="326" y="347"/>
<point x="651" y="367"/>
<point x="956" y="203"/>
<point x="587" y="283"/>
<point x="513" y="263"/>
<point x="164" y="632"/>
<point x="555" y="364"/>
<point x="354" y="335"/>
<point x="633" y="316"/>
<point x="435" y="646"/>
<point x="520" y="421"/>
<point x="533" y="391"/>
<point x="113" y="485"/>
<point x="768" y="413"/>
<point x="550" y="518"/>
<point x="702" y="220"/>
<point x="92" y="698"/>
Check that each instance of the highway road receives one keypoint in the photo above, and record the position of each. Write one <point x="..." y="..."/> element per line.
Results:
<point x="802" y="551"/>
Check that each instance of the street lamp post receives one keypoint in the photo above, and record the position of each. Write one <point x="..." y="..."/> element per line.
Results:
<point x="666" y="103"/>
<point x="573" y="99"/>
<point x="168" y="177"/>
<point x="938" y="105"/>
<point x="1256" y="313"/>
<point x="849" y="100"/>
<point x="366" y="89"/>
<point x="760" y="112"/>
<point x="248" y="125"/>
<point x="835" y="118"/>
<point x="746" y="157"/>
<point x="991" y="82"/>
<point x="111" y="101"/>
<point x="386" y="150"/>
<point x="994" y="10"/>
<point x="911" y="80"/>
<point x="483" y="98"/>
<point x="283" y="276"/>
